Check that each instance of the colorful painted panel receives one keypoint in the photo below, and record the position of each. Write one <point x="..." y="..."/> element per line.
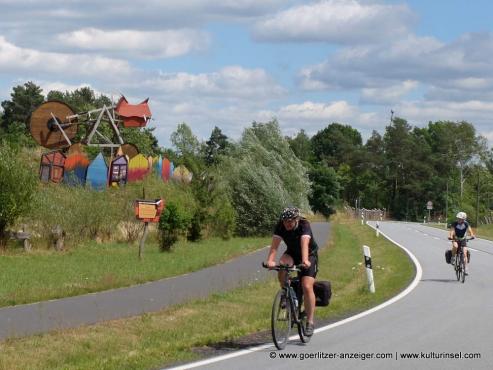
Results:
<point x="158" y="166"/>
<point x="51" y="168"/>
<point x="119" y="171"/>
<point x="181" y="173"/>
<point x="138" y="167"/>
<point x="166" y="169"/>
<point x="97" y="173"/>
<point x="76" y="166"/>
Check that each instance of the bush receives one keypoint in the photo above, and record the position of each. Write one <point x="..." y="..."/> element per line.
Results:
<point x="17" y="189"/>
<point x="173" y="221"/>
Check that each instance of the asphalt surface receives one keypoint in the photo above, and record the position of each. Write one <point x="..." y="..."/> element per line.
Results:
<point x="440" y="322"/>
<point x="35" y="318"/>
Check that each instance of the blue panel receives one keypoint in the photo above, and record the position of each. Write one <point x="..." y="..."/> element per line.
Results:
<point x="97" y="173"/>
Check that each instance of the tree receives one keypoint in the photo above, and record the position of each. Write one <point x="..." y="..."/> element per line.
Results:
<point x="263" y="176"/>
<point x="24" y="99"/>
<point x="325" y="190"/>
<point x="215" y="146"/>
<point x="301" y="145"/>
<point x="14" y="121"/>
<point x="15" y="200"/>
<point x="336" y="144"/>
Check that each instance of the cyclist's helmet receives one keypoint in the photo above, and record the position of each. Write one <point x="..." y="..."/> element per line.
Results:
<point x="290" y="213"/>
<point x="461" y="215"/>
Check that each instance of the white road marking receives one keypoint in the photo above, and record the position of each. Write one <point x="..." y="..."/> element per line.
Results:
<point x="414" y="284"/>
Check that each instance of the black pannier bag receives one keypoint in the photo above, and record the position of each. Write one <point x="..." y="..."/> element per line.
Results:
<point x="448" y="255"/>
<point x="323" y="292"/>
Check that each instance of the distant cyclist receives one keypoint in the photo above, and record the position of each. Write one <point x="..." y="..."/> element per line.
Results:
<point x="458" y="230"/>
<point x="296" y="233"/>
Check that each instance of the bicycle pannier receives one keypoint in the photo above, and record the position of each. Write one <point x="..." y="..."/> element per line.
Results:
<point x="323" y="292"/>
<point x="448" y="255"/>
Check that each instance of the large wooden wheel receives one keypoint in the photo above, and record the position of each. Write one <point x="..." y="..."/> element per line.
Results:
<point x="44" y="129"/>
<point x="129" y="150"/>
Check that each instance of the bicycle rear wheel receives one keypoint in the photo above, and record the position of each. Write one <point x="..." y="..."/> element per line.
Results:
<point x="463" y="268"/>
<point x="281" y="320"/>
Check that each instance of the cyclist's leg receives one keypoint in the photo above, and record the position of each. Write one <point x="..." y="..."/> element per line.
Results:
<point x="307" y="281"/>
<point x="454" y="248"/>
<point x="286" y="259"/>
<point x="466" y="260"/>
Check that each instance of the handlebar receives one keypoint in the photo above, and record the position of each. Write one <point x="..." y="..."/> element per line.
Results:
<point x="459" y="239"/>
<point x="284" y="267"/>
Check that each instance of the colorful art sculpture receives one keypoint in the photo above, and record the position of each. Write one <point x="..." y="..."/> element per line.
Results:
<point x="54" y="124"/>
<point x="97" y="173"/>
<point x="119" y="171"/>
<point x="76" y="165"/>
<point x="136" y="115"/>
<point x="138" y="168"/>
<point x="182" y="174"/>
<point x="52" y="167"/>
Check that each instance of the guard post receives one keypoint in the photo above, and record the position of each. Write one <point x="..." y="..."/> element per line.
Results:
<point x="369" y="270"/>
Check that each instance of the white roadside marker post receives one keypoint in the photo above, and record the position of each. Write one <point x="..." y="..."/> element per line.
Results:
<point x="369" y="270"/>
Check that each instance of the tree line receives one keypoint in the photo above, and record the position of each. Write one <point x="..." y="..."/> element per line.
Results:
<point x="401" y="170"/>
<point x="240" y="186"/>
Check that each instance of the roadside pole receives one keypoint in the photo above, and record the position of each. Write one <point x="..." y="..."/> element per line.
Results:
<point x="369" y="270"/>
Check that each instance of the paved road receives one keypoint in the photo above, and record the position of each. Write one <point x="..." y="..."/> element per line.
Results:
<point x="86" y="309"/>
<point x="439" y="317"/>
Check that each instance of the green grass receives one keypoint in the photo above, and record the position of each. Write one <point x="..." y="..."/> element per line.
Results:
<point x="43" y="275"/>
<point x="174" y="335"/>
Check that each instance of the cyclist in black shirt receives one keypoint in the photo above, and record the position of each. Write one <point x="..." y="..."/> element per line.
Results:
<point x="296" y="233"/>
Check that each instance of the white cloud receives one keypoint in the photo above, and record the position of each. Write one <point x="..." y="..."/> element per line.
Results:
<point x="388" y="95"/>
<point x="14" y="59"/>
<point x="337" y="21"/>
<point x="232" y="82"/>
<point x="162" y="44"/>
<point x="454" y="69"/>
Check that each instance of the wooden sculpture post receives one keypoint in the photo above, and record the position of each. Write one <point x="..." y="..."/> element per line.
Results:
<point x="147" y="211"/>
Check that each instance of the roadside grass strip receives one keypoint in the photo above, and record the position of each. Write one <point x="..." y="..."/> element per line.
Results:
<point x="43" y="275"/>
<point x="184" y="333"/>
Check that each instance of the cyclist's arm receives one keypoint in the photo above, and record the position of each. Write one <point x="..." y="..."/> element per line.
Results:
<point x="305" y="241"/>
<point x="271" y="257"/>
<point x="451" y="233"/>
<point x="471" y="233"/>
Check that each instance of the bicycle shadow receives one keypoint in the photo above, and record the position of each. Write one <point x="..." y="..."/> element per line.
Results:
<point x="439" y="280"/>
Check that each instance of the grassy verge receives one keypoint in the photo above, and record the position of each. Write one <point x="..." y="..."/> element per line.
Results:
<point x="159" y="339"/>
<point x="43" y="275"/>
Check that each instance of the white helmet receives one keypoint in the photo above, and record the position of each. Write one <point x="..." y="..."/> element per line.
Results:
<point x="461" y="215"/>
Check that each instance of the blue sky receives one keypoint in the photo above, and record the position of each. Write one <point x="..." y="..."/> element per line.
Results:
<point x="306" y="63"/>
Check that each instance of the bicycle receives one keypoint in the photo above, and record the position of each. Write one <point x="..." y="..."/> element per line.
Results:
<point x="288" y="308"/>
<point x="460" y="263"/>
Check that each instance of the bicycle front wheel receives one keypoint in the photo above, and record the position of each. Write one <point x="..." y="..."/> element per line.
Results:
<point x="281" y="320"/>
<point x="302" y="325"/>
<point x="457" y="267"/>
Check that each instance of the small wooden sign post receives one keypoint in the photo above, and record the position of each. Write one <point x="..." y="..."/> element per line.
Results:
<point x="147" y="211"/>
